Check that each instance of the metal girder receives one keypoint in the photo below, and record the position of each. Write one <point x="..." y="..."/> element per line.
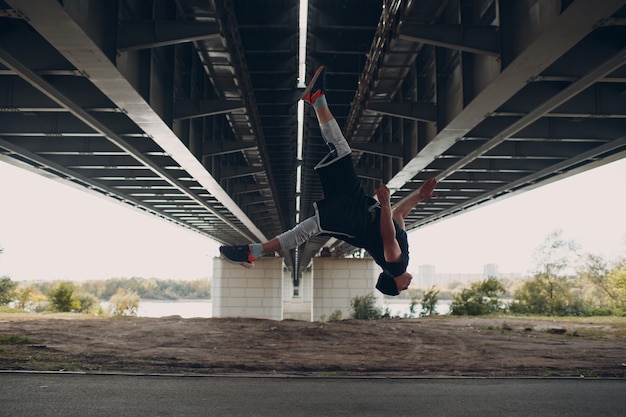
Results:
<point x="11" y="62"/>
<point x="425" y="112"/>
<point x="484" y="40"/>
<point x="393" y="150"/>
<point x="252" y="200"/>
<point x="194" y="108"/>
<point x="222" y="147"/>
<point x="605" y="100"/>
<point x="542" y="177"/>
<point x="372" y="173"/>
<point x="237" y="172"/>
<point x="231" y="33"/>
<point x="144" y="35"/>
<point x="59" y="172"/>
<point x="50" y="19"/>
<point x="248" y="188"/>
<point x="615" y="62"/>
<point x="569" y="28"/>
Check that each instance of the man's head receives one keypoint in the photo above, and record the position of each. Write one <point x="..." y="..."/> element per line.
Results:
<point x="393" y="285"/>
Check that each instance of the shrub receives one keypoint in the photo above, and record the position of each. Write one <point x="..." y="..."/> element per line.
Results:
<point x="335" y="316"/>
<point x="7" y="290"/>
<point x="29" y="297"/>
<point x="124" y="303"/>
<point x="481" y="298"/>
<point x="364" y="308"/>
<point x="62" y="298"/>
<point x="548" y="296"/>
<point x="429" y="302"/>
<point x="89" y="303"/>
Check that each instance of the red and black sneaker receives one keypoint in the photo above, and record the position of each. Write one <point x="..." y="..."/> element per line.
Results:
<point x="316" y="86"/>
<point x="238" y="254"/>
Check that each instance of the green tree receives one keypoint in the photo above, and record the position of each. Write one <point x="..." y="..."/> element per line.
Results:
<point x="429" y="302"/>
<point x="553" y="297"/>
<point x="595" y="271"/>
<point x="29" y="297"/>
<point x="62" y="298"/>
<point x="124" y="303"/>
<point x="7" y="290"/>
<point x="549" y="291"/>
<point x="364" y="308"/>
<point x="556" y="256"/>
<point x="481" y="298"/>
<point x="617" y="279"/>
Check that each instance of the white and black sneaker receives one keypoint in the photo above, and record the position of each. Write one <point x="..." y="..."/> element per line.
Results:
<point x="238" y="254"/>
<point x="316" y="86"/>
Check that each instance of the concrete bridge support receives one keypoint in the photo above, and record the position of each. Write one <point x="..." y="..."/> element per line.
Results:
<point x="240" y="292"/>
<point x="265" y="291"/>
<point x="336" y="281"/>
<point x="297" y="301"/>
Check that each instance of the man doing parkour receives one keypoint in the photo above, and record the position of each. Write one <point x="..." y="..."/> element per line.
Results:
<point x="346" y="212"/>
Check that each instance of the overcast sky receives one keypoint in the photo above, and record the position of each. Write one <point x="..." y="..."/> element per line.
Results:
<point x="51" y="231"/>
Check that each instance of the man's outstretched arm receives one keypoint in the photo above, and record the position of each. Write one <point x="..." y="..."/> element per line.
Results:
<point x="391" y="248"/>
<point x="404" y="208"/>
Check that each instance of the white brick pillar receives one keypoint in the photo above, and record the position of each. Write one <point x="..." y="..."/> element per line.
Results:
<point x="306" y="285"/>
<point x="287" y="286"/>
<point x="241" y="292"/>
<point x="336" y="281"/>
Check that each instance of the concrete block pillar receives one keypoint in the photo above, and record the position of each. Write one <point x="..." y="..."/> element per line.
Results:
<point x="306" y="285"/>
<point x="287" y="285"/>
<point x="240" y="292"/>
<point x="336" y="281"/>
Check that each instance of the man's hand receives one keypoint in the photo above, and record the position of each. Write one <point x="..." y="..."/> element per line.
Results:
<point x="402" y="209"/>
<point x="383" y="195"/>
<point x="403" y="281"/>
<point x="426" y="190"/>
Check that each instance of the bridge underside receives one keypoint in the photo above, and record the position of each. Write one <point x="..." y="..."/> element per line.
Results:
<point x="189" y="110"/>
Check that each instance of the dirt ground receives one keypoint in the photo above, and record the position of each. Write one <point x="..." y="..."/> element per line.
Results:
<point x="433" y="346"/>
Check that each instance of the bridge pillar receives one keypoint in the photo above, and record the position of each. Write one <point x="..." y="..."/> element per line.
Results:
<point x="336" y="281"/>
<point x="306" y="285"/>
<point x="297" y="306"/>
<point x="240" y="292"/>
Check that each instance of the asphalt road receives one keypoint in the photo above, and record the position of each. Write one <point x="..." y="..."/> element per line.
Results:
<point x="51" y="395"/>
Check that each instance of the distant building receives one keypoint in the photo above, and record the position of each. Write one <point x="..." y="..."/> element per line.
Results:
<point x="490" y="270"/>
<point x="427" y="277"/>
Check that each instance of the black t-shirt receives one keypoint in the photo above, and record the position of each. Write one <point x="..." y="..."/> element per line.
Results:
<point x="347" y="213"/>
<point x="360" y="227"/>
<point x="372" y="242"/>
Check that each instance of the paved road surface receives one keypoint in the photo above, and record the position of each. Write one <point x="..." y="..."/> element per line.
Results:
<point x="51" y="395"/>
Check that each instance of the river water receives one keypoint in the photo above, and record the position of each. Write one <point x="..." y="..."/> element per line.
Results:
<point x="203" y="308"/>
<point x="184" y="308"/>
